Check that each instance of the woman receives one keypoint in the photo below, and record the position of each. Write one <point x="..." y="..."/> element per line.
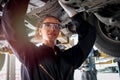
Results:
<point x="46" y="62"/>
<point x="47" y="30"/>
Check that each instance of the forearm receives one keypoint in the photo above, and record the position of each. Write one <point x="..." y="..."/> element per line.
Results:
<point x="86" y="37"/>
<point x="13" y="26"/>
<point x="13" y="19"/>
<point x="81" y="25"/>
<point x="86" y="40"/>
<point x="86" y="32"/>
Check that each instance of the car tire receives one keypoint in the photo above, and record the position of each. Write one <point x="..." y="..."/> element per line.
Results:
<point x="106" y="44"/>
<point x="103" y="43"/>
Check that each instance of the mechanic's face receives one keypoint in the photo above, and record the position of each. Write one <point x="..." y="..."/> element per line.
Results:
<point x="50" y="29"/>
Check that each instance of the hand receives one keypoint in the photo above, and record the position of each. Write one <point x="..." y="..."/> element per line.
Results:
<point x="70" y="11"/>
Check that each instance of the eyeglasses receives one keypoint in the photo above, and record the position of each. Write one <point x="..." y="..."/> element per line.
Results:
<point x="55" y="25"/>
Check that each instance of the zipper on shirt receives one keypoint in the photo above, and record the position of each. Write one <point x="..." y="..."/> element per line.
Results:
<point x="43" y="68"/>
<point x="55" y="53"/>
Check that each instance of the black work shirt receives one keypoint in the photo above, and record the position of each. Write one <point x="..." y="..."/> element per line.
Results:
<point x="41" y="63"/>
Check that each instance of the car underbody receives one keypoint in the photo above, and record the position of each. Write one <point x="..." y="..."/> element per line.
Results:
<point x="103" y="14"/>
